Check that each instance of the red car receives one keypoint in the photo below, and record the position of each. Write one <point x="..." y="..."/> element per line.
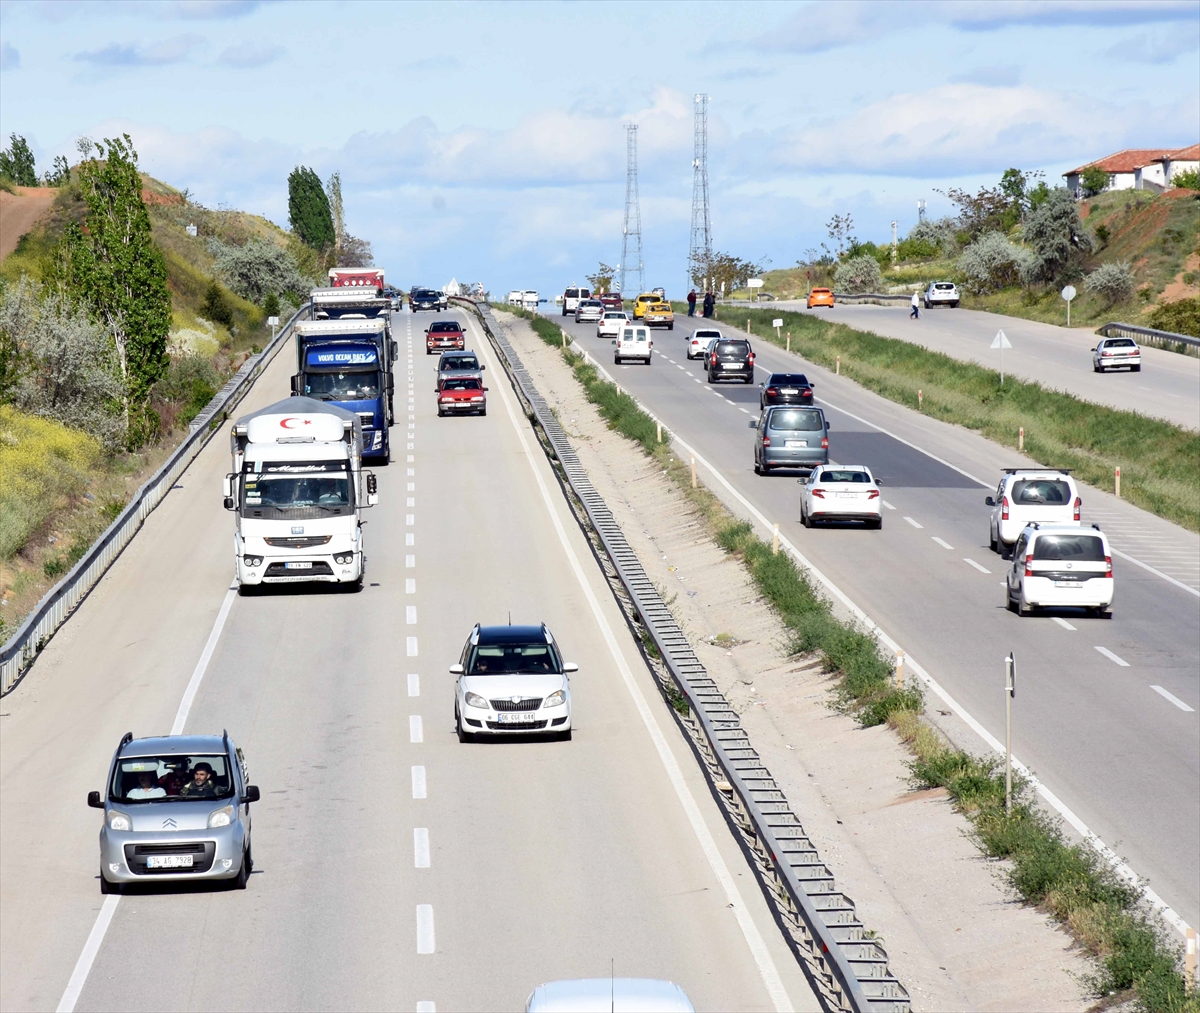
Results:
<point x="459" y="395"/>
<point x="442" y="335"/>
<point x="610" y="300"/>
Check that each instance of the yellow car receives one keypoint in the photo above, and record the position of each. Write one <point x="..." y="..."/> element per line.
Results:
<point x="654" y="310"/>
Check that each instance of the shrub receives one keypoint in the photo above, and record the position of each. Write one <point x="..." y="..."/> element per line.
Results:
<point x="993" y="262"/>
<point x="271" y="305"/>
<point x="257" y="269"/>
<point x="941" y="236"/>
<point x="216" y="305"/>
<point x="1093" y="179"/>
<point x="190" y="382"/>
<point x="1102" y="234"/>
<point x="1181" y="317"/>
<point x="1113" y="282"/>
<point x="858" y="274"/>
<point x="1056" y="236"/>
<point x="1189" y="180"/>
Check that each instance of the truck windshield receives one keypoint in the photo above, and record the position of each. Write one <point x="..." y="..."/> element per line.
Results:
<point x="342" y="386"/>
<point x="296" y="489"/>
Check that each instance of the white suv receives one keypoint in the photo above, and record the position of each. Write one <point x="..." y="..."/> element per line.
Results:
<point x="1025" y="495"/>
<point x="941" y="293"/>
<point x="1061" y="565"/>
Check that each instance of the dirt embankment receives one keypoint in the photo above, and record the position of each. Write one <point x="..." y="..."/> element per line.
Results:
<point x="19" y="213"/>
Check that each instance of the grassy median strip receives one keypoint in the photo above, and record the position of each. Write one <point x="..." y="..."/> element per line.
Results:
<point x="1135" y="953"/>
<point x="1158" y="460"/>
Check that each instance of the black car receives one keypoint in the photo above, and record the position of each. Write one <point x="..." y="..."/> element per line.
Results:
<point x="730" y="359"/>
<point x="785" y="388"/>
<point x="423" y="299"/>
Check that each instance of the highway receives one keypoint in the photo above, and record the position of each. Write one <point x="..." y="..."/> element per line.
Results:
<point x="1106" y="714"/>
<point x="1167" y="387"/>
<point x="395" y="868"/>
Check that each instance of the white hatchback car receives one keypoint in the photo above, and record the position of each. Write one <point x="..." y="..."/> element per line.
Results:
<point x="609" y="326"/>
<point x="1116" y="353"/>
<point x="633" y="342"/>
<point x="698" y="342"/>
<point x="1025" y="495"/>
<point x="840" y="492"/>
<point x="1061" y="565"/>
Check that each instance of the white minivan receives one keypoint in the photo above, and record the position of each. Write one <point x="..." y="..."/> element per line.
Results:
<point x="1061" y="565"/>
<point x="633" y="343"/>
<point x="571" y="297"/>
<point x="1024" y="495"/>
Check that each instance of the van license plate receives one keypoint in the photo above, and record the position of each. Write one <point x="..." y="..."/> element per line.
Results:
<point x="1068" y="583"/>
<point x="516" y="718"/>
<point x="169" y="862"/>
<point x="298" y="566"/>
<point x="795" y="443"/>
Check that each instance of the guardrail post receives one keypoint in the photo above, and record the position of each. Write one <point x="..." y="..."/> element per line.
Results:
<point x="693" y="471"/>
<point x="1117" y="481"/>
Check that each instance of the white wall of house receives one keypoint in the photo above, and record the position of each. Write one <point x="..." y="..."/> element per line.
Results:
<point x="1173" y="168"/>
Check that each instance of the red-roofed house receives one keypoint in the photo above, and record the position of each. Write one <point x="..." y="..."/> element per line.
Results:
<point x="1140" y="168"/>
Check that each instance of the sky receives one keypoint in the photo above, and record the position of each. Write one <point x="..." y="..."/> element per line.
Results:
<point x="486" y="141"/>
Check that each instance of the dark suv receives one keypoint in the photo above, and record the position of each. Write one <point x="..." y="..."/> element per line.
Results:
<point x="785" y="388"/>
<point x="730" y="359"/>
<point x="423" y="299"/>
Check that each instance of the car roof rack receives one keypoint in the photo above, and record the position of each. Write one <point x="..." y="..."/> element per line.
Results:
<point x="125" y="740"/>
<point x="1060" y="471"/>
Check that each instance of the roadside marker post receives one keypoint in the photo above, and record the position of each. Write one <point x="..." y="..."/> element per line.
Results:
<point x="1001" y="342"/>
<point x="775" y="542"/>
<point x="658" y="427"/>
<point x="899" y="669"/>
<point x="1068" y="293"/>
<point x="789" y="341"/>
<point x="920" y="400"/>
<point x="693" y="471"/>
<point x="272" y="322"/>
<point x="1021" y="439"/>
<point x="1010" y="690"/>
<point x="838" y="369"/>
<point x="1117" y="481"/>
<point x="564" y="336"/>
<point x="748" y="331"/>
<point x="1189" y="958"/>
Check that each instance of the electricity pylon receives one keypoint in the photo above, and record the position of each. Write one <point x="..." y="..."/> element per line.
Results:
<point x="631" y="239"/>
<point x="700" y="248"/>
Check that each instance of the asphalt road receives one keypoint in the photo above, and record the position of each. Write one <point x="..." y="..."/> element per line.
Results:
<point x="1167" y="387"/>
<point x="536" y="860"/>
<point x="1091" y="718"/>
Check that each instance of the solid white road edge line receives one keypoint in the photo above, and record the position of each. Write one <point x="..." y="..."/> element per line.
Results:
<point x="1172" y="698"/>
<point x="754" y="940"/>
<point x="95" y="939"/>
<point x="1118" y="866"/>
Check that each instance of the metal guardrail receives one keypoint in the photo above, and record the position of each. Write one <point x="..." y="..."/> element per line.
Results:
<point x="857" y="975"/>
<point x="1115" y="329"/>
<point x="61" y="600"/>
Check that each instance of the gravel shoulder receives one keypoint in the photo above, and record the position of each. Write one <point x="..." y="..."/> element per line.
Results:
<point x="954" y="935"/>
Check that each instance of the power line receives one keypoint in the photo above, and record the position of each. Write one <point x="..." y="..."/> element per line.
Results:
<point x="633" y="215"/>
<point x="700" y="248"/>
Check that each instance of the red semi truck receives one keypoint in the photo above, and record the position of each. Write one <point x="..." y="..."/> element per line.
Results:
<point x="358" y="277"/>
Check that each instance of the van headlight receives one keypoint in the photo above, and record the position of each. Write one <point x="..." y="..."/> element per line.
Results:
<point x="119" y="821"/>
<point x="475" y="700"/>
<point x="555" y="699"/>
<point x="220" y="817"/>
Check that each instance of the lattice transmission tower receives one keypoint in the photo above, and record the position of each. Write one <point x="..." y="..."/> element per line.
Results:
<point x="631" y="239"/>
<point x="700" y="248"/>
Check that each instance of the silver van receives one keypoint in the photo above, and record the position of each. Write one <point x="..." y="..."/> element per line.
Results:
<point x="176" y="807"/>
<point x="790" y="437"/>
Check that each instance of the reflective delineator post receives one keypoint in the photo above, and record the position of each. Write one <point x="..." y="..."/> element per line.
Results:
<point x="1010" y="690"/>
<point x="1117" y="481"/>
<point x="920" y="400"/>
<point x="838" y="369"/>
<point x="899" y="669"/>
<point x="1021" y="438"/>
<point x="789" y="341"/>
<point x="1189" y="957"/>
<point x="564" y="336"/>
<point x="658" y="427"/>
<point x="693" y="471"/>
<point x="775" y="542"/>
<point x="748" y="331"/>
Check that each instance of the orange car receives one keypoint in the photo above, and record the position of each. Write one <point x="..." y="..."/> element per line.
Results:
<point x="820" y="297"/>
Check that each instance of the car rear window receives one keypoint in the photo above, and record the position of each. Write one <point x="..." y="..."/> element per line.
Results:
<point x="1074" y="548"/>
<point x="944" y="285"/>
<point x="788" y="380"/>
<point x="459" y="362"/>
<point x="445" y="326"/>
<point x="733" y="348"/>
<point x="1119" y="343"/>
<point x="808" y="420"/>
<point x="844" y="476"/>
<point x="1041" y="492"/>
<point x="820" y="291"/>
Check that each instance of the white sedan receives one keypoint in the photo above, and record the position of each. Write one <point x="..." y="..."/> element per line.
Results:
<point x="609" y="325"/>
<point x="1117" y="353"/>
<point x="699" y="341"/>
<point x="840" y="492"/>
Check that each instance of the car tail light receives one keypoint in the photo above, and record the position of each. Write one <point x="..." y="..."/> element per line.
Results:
<point x="873" y="494"/>
<point x="819" y="493"/>
<point x="1004" y="508"/>
<point x="1105" y="355"/>
<point x="806" y="392"/>
<point x="1108" y="566"/>
<point x="714" y="358"/>
<point x="1078" y="504"/>
<point x="824" y="443"/>
<point x="766" y="441"/>
<point x="751" y="358"/>
<point x="772" y="391"/>
<point x="1029" y="566"/>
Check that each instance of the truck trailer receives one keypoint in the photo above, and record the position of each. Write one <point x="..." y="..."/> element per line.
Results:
<point x="298" y="490"/>
<point x="356" y="277"/>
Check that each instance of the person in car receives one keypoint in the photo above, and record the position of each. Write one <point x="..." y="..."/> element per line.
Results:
<point x="147" y="787"/>
<point x="201" y="785"/>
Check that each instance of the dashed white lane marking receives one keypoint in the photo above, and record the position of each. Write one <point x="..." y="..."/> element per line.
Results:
<point x="887" y="504"/>
<point x="412" y="472"/>
<point x="694" y="380"/>
<point x="421" y="848"/>
<point x="410" y="615"/>
<point x="914" y="523"/>
<point x="412" y="486"/>
<point x="677" y="366"/>
<point x="418" y="782"/>
<point x="414" y="684"/>
<point x="412" y="647"/>
<point x="1172" y="698"/>
<point x="971" y="562"/>
<point x="1112" y="657"/>
<point x="410" y="460"/>
<point x="944" y="544"/>
<point x="410" y="446"/>
<point x="410" y="538"/>
<point x="416" y="729"/>
<point x="410" y="519"/>
<point x="743" y="409"/>
<point x="410" y="585"/>
<point x="410" y="561"/>
<point x="412" y="501"/>
<point x="425" y="929"/>
<point x="1063" y="623"/>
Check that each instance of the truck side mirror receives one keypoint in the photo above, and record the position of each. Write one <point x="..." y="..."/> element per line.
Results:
<point x="372" y="484"/>
<point x="395" y="349"/>
<point x="228" y="503"/>
<point x="94" y="800"/>
<point x="228" y="485"/>
<point x="296" y="385"/>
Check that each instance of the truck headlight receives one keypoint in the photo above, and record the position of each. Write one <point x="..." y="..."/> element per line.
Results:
<point x="220" y="817"/>
<point x="119" y="821"/>
<point x="344" y="558"/>
<point x="252" y="560"/>
<point x="555" y="699"/>
<point x="475" y="700"/>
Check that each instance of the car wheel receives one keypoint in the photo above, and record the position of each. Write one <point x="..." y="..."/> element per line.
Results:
<point x="482" y="411"/>
<point x="992" y="541"/>
<point x="1137" y="369"/>
<point x="106" y="887"/>
<point x="1023" y="608"/>
<point x="875" y="525"/>
<point x="749" y="379"/>
<point x="463" y="736"/>
<point x="1008" y="599"/>
<point x="954" y="305"/>
<point x="616" y="360"/>
<point x="670" y="327"/>
<point x="803" y="516"/>
<point x="243" y="877"/>
<point x="1096" y="369"/>
<point x="565" y="736"/>
<point x="710" y="379"/>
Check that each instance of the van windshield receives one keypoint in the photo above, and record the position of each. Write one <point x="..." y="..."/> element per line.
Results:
<point x="171" y="778"/>
<point x="1073" y="548"/>
<point x="807" y="420"/>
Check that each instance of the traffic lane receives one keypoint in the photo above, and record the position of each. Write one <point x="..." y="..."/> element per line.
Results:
<point x="120" y="664"/>
<point x="901" y="588"/>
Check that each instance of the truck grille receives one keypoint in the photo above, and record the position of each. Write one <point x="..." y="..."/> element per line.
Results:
<point x="298" y="541"/>
<point x="530" y="703"/>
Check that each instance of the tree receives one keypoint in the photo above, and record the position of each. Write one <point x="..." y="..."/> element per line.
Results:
<point x="17" y="162"/>
<point x="1189" y="180"/>
<point x="840" y="227"/>
<point x="257" y="268"/>
<point x="730" y="271"/>
<point x="337" y="212"/>
<point x="858" y="274"/>
<point x="216" y="306"/>
<point x="308" y="209"/>
<point x="60" y="175"/>
<point x="271" y="305"/>
<point x="1056" y="236"/>
<point x="993" y="262"/>
<point x="988" y="210"/>
<point x="1094" y="180"/>
<point x="354" y="252"/>
<point x="602" y="280"/>
<point x="122" y="277"/>
<point x="1113" y="282"/>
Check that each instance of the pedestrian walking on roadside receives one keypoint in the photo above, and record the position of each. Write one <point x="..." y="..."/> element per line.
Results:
<point x="915" y="312"/>
<point x="709" y="302"/>
<point x="692" y="303"/>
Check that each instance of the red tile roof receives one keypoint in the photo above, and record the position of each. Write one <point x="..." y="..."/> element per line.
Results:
<point x="1134" y="158"/>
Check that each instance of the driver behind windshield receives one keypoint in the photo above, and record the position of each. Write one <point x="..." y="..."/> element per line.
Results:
<point x="201" y="785"/>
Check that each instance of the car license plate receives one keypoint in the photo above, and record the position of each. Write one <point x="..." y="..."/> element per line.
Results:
<point x="795" y="443"/>
<point x="1068" y="583"/>
<point x="730" y="365"/>
<point x="516" y="718"/>
<point x="787" y="390"/>
<point x="298" y="566"/>
<point x="169" y="862"/>
<point x="846" y="495"/>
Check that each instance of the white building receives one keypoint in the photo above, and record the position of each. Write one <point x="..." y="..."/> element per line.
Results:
<point x="1140" y="168"/>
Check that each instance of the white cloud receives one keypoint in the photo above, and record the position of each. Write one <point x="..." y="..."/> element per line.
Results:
<point x="154" y="54"/>
<point x="250" y="54"/>
<point x="10" y="57"/>
<point x="1157" y="47"/>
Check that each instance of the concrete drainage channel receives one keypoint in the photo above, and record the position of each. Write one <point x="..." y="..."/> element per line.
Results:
<point x="848" y="969"/>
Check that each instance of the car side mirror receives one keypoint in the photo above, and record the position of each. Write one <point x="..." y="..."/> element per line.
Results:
<point x="614" y="341"/>
<point x="1092" y="349"/>
<point x="753" y="423"/>
<point x="456" y="670"/>
<point x="570" y="666"/>
<point x="482" y="367"/>
<point x="485" y="390"/>
<point x="94" y="800"/>
<point x="989" y="501"/>
<point x="828" y="425"/>
<point x="252" y="794"/>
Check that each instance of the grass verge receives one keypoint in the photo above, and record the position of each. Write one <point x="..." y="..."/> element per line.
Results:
<point x="1158" y="460"/>
<point x="1134" y="953"/>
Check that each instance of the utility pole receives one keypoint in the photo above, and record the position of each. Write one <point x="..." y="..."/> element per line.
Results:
<point x="631" y="239"/>
<point x="895" y="250"/>
<point x="700" y="248"/>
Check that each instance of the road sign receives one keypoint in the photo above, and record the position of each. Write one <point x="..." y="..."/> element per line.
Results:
<point x="754" y="283"/>
<point x="272" y="321"/>
<point x="1069" y="293"/>
<point x="1001" y="342"/>
<point x="777" y="322"/>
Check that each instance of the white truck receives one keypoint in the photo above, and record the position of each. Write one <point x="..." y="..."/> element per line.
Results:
<point x="529" y="299"/>
<point x="298" y="490"/>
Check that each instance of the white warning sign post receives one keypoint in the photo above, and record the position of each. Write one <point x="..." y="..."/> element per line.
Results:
<point x="1001" y="342"/>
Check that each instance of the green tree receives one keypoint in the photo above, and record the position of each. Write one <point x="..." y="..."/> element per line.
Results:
<point x="1189" y="180"/>
<point x="216" y="305"/>
<point x="17" y="162"/>
<point x="271" y="305"/>
<point x="1057" y="236"/>
<point x="1093" y="179"/>
<point x="602" y="280"/>
<point x="337" y="211"/>
<point x="120" y="273"/>
<point x="60" y="175"/>
<point x="308" y="209"/>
